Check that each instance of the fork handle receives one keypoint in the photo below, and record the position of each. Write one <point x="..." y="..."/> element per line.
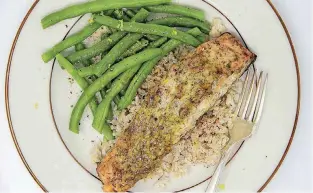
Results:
<point x="218" y="170"/>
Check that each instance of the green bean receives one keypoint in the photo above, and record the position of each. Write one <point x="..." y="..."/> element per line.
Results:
<point x="117" y="86"/>
<point x="130" y="13"/>
<point x="92" y="7"/>
<point x="125" y="18"/>
<point x="116" y="99"/>
<point x="108" y="12"/>
<point x="107" y="132"/>
<point x="140" y="16"/>
<point x="105" y="52"/>
<point x="149" y="29"/>
<point x="202" y="38"/>
<point x="152" y="37"/>
<point x="110" y="113"/>
<point x="79" y="47"/>
<point x="87" y="71"/>
<point x="80" y="81"/>
<point x="147" y="68"/>
<point x="158" y="42"/>
<point x="139" y="45"/>
<point x="103" y="93"/>
<point x="123" y="91"/>
<point x="194" y="32"/>
<point x="102" y="81"/>
<point x="119" y="14"/>
<point x="114" y="54"/>
<point x="96" y="49"/>
<point x="182" y="22"/>
<point x="109" y="85"/>
<point x="70" y="41"/>
<point x="121" y="47"/>
<point x="178" y="9"/>
<point x="135" y="10"/>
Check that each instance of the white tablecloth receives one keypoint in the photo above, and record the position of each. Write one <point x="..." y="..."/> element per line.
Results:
<point x="295" y="175"/>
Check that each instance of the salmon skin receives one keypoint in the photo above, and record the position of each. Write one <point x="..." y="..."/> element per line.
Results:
<point x="190" y="89"/>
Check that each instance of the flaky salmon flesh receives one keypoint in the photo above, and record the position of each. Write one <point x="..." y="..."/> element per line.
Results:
<point x="190" y="89"/>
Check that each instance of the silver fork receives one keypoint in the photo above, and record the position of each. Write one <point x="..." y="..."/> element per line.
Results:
<point x="248" y="114"/>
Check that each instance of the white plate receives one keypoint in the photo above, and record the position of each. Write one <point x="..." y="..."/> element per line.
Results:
<point x="38" y="102"/>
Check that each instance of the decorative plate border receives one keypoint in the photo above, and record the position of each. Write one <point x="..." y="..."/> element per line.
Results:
<point x="42" y="186"/>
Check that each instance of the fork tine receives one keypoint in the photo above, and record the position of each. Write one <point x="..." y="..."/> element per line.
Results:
<point x="256" y="97"/>
<point x="243" y="93"/>
<point x="259" y="110"/>
<point x="247" y="102"/>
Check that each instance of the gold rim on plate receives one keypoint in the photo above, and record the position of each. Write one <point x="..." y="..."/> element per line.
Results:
<point x="42" y="186"/>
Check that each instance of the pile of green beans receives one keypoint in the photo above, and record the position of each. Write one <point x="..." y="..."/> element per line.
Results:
<point x="182" y="22"/>
<point x="144" y="28"/>
<point x="128" y="52"/>
<point x="139" y="45"/>
<point x="102" y="81"/>
<point x="121" y="47"/>
<point x="93" y="7"/>
<point x="96" y="49"/>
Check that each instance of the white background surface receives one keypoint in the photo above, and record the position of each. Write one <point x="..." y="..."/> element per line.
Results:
<point x="295" y="175"/>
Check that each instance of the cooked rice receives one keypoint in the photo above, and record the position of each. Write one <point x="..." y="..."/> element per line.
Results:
<point x="217" y="28"/>
<point x="204" y="144"/>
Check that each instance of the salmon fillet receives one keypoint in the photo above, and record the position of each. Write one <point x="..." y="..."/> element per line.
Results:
<point x="190" y="89"/>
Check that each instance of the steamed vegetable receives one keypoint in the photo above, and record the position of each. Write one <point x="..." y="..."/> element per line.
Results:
<point x="154" y="29"/>
<point x="80" y="81"/>
<point x="121" y="47"/>
<point x="117" y="86"/>
<point x="96" y="49"/>
<point x="102" y="81"/>
<point x="128" y="52"/>
<point x="178" y="9"/>
<point x="182" y="22"/>
<point x="70" y="41"/>
<point x="139" y="45"/>
<point x="94" y="6"/>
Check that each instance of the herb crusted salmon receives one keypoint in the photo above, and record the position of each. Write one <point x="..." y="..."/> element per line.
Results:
<point x="190" y="89"/>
